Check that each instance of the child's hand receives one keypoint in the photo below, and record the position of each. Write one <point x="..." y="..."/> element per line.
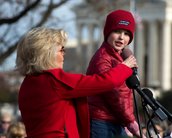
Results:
<point x="130" y="62"/>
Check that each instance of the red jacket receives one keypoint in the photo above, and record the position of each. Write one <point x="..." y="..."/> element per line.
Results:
<point x="54" y="102"/>
<point x="117" y="105"/>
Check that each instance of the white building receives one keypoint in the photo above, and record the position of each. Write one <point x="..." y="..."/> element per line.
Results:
<point x="153" y="37"/>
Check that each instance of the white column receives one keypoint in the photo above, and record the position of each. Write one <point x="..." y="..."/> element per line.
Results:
<point x="79" y="38"/>
<point x="140" y="51"/>
<point x="90" y="44"/>
<point x="79" y="66"/>
<point x="153" y="57"/>
<point x="166" y="56"/>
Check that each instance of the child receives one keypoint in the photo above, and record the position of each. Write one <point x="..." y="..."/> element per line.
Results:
<point x="111" y="112"/>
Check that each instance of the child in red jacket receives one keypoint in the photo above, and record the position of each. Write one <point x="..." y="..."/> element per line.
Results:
<point x="113" y="111"/>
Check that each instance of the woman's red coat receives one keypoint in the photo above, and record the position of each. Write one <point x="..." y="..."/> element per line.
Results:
<point x="54" y="101"/>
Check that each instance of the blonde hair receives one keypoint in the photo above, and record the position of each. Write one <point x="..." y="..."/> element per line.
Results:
<point x="16" y="130"/>
<point x="37" y="50"/>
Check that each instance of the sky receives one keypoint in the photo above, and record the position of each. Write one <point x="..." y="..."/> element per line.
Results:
<point x="66" y="15"/>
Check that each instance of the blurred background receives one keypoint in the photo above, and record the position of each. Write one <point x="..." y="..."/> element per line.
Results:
<point x="83" y="20"/>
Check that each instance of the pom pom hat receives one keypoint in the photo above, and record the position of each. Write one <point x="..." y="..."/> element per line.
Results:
<point x="119" y="19"/>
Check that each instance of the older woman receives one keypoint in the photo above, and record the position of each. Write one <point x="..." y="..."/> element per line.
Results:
<point x="52" y="102"/>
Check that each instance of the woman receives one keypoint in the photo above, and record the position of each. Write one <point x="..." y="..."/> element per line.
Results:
<point x="52" y="102"/>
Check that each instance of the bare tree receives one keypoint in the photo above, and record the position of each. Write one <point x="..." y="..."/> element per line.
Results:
<point x="18" y="16"/>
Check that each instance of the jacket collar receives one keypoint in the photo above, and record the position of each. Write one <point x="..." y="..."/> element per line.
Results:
<point x="111" y="51"/>
<point x="68" y="79"/>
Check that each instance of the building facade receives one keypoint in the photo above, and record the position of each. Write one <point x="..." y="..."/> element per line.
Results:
<point x="152" y="45"/>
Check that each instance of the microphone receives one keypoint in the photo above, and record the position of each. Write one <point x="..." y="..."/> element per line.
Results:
<point x="133" y="83"/>
<point x="125" y="54"/>
<point x="149" y="93"/>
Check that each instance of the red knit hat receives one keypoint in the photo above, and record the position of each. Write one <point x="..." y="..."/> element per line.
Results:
<point x="119" y="19"/>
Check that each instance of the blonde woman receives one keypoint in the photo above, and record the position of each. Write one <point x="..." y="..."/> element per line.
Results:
<point x="53" y="102"/>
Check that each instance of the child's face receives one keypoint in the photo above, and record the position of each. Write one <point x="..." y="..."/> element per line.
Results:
<point x="118" y="39"/>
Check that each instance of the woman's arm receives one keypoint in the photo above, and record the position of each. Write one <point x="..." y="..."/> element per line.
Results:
<point x="75" y="85"/>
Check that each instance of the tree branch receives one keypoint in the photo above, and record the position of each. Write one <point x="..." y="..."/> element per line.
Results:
<point x="20" y="15"/>
<point x="48" y="12"/>
<point x="7" y="53"/>
<point x="11" y="49"/>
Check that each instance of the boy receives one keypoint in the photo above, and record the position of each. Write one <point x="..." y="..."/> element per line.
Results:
<point x="111" y="112"/>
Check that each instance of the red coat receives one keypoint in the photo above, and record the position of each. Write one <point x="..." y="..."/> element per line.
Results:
<point x="117" y="105"/>
<point x="53" y="102"/>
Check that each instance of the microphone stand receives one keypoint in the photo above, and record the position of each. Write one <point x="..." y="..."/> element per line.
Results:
<point x="150" y="117"/>
<point x="156" y="110"/>
<point x="133" y="83"/>
<point x="137" y="113"/>
<point x="168" y="114"/>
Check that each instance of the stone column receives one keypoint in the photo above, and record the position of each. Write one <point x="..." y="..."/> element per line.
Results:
<point x="79" y="38"/>
<point x="166" y="56"/>
<point x="140" y="51"/>
<point x="153" y="57"/>
<point x="79" y="66"/>
<point x="90" y="44"/>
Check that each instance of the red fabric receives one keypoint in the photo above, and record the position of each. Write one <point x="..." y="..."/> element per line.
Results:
<point x="52" y="103"/>
<point x="119" y="19"/>
<point x="117" y="105"/>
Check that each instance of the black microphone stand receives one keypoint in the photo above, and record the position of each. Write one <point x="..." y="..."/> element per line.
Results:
<point x="137" y="114"/>
<point x="168" y="114"/>
<point x="150" y="120"/>
<point x="156" y="110"/>
<point x="133" y="83"/>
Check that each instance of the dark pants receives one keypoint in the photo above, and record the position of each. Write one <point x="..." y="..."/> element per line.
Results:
<point x="102" y="129"/>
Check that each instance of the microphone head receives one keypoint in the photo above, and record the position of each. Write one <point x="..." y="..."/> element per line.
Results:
<point x="126" y="52"/>
<point x="148" y="92"/>
<point x="133" y="82"/>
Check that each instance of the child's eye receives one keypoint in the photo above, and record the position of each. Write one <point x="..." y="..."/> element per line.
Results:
<point x="127" y="33"/>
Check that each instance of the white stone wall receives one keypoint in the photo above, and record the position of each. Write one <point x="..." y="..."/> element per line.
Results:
<point x="153" y="38"/>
